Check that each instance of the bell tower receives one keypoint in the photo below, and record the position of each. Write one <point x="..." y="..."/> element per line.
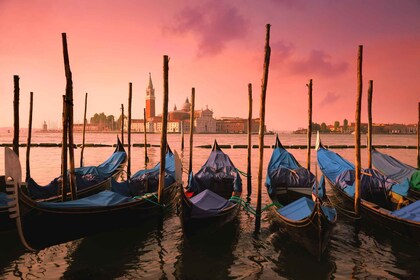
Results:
<point x="150" y="100"/>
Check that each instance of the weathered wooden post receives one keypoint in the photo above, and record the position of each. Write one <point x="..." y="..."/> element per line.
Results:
<point x="191" y="131"/>
<point x="146" y="158"/>
<point x="130" y="95"/>
<point x="357" y="131"/>
<point x="163" y="142"/>
<point x="182" y="136"/>
<point x="64" y="153"/>
<point x="309" y="132"/>
<point x="16" y="115"/>
<point x="122" y="124"/>
<point x="69" y="102"/>
<point x="369" y="136"/>
<point x="84" y="132"/>
<point x="28" y="143"/>
<point x="248" y="171"/>
<point x="418" y="139"/>
<point x="262" y="125"/>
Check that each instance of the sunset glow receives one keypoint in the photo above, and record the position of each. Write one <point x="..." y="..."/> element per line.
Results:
<point x="217" y="47"/>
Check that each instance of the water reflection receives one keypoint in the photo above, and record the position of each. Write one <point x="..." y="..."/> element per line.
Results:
<point x="208" y="255"/>
<point x="294" y="262"/>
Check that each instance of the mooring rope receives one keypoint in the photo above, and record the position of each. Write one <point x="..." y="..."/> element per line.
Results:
<point x="147" y="199"/>
<point x="248" y="208"/>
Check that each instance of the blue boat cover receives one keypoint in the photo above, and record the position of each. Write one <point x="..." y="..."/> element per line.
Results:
<point x="332" y="164"/>
<point x="217" y="172"/>
<point x="392" y="167"/>
<point x="409" y="212"/>
<point x="101" y="199"/>
<point x="147" y="177"/>
<point x="284" y="170"/>
<point x="85" y="177"/>
<point x="207" y="204"/>
<point x="302" y="208"/>
<point x="3" y="199"/>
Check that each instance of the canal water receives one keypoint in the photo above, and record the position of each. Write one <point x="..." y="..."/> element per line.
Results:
<point x="356" y="250"/>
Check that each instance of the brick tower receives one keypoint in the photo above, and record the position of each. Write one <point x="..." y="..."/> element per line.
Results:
<point x="150" y="100"/>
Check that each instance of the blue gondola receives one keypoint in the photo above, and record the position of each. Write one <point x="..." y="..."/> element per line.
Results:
<point x="46" y="223"/>
<point x="206" y="202"/>
<point x="397" y="170"/>
<point x="382" y="200"/>
<point x="302" y="212"/>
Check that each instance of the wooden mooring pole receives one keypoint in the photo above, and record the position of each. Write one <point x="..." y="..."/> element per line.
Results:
<point x="357" y="131"/>
<point x="16" y="114"/>
<point x="64" y="153"/>
<point x="369" y="135"/>
<point x="122" y="124"/>
<point x="262" y="126"/>
<point x="130" y="97"/>
<point x="146" y="158"/>
<point x="191" y="131"/>
<point x="418" y="139"/>
<point x="248" y="171"/>
<point x="84" y="132"/>
<point x="28" y="145"/>
<point x="309" y="132"/>
<point x="163" y="140"/>
<point x="69" y="103"/>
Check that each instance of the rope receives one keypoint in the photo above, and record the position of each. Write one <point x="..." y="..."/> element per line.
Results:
<point x="151" y="201"/>
<point x="248" y="208"/>
<point x="242" y="173"/>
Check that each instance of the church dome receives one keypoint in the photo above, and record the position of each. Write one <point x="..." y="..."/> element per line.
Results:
<point x="186" y="106"/>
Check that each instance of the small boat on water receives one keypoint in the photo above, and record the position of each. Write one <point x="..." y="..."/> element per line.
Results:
<point x="398" y="171"/>
<point x="302" y="212"/>
<point x="89" y="179"/>
<point x="45" y="223"/>
<point x="382" y="199"/>
<point x="212" y="197"/>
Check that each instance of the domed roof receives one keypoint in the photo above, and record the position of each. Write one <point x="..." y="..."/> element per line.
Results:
<point x="186" y="106"/>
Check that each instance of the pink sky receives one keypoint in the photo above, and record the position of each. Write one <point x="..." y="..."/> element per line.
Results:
<point x="216" y="47"/>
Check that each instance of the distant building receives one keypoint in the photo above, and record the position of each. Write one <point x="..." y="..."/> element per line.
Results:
<point x="179" y="119"/>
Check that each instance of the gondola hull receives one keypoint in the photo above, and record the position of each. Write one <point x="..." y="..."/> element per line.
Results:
<point x="209" y="224"/>
<point x="312" y="233"/>
<point x="380" y="216"/>
<point x="41" y="227"/>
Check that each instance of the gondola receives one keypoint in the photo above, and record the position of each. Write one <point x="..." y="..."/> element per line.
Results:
<point x="212" y="197"/>
<point x="381" y="200"/>
<point x="89" y="179"/>
<point x="43" y="224"/>
<point x="399" y="171"/>
<point x="302" y="212"/>
<point x="5" y="221"/>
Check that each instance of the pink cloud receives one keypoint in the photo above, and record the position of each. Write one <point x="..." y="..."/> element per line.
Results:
<point x="330" y="98"/>
<point x="214" y="23"/>
<point x="320" y="63"/>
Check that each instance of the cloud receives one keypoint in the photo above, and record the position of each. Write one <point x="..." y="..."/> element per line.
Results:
<point x="320" y="63"/>
<point x="329" y="99"/>
<point x="214" y="23"/>
<point x="281" y="51"/>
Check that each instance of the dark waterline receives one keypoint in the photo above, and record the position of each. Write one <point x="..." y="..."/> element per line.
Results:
<point x="357" y="250"/>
